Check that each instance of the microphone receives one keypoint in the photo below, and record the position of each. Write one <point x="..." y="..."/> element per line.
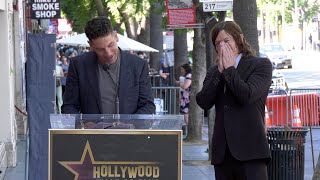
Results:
<point x="105" y="67"/>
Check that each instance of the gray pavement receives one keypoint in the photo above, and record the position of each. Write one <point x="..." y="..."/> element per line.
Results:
<point x="194" y="159"/>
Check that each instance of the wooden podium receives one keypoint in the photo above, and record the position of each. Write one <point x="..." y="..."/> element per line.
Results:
<point x="115" y="147"/>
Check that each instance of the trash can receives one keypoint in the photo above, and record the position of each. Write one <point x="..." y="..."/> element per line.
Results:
<point x="287" y="152"/>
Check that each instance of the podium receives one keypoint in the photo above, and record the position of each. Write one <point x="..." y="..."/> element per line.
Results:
<point x="115" y="147"/>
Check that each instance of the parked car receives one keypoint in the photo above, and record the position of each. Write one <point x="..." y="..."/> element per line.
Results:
<point x="277" y="54"/>
<point x="278" y="84"/>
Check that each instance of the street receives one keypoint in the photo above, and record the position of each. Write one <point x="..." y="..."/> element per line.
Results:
<point x="305" y="72"/>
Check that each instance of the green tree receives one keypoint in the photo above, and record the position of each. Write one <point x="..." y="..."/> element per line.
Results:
<point x="306" y="11"/>
<point x="127" y="13"/>
<point x="78" y="12"/>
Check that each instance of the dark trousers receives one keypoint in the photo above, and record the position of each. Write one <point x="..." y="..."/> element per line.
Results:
<point x="63" y="89"/>
<point x="233" y="169"/>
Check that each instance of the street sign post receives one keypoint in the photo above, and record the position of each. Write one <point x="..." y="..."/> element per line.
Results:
<point x="217" y="5"/>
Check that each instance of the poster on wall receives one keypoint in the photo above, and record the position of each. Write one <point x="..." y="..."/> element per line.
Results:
<point x="45" y="9"/>
<point x="181" y="13"/>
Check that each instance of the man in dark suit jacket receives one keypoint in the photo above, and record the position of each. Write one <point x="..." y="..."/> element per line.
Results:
<point x="107" y="80"/>
<point x="238" y="87"/>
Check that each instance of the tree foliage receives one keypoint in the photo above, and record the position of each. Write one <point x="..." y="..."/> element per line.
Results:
<point x="307" y="9"/>
<point x="119" y="11"/>
<point x="78" y="12"/>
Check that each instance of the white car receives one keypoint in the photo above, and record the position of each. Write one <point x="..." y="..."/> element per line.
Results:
<point x="277" y="55"/>
<point x="278" y="83"/>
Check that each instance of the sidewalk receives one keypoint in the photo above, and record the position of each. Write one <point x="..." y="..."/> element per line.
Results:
<point x="194" y="159"/>
<point x="195" y="164"/>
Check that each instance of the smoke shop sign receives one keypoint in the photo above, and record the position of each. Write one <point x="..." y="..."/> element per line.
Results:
<point x="45" y="9"/>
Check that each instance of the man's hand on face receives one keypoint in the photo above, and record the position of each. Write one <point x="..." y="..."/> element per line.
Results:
<point x="220" y="63"/>
<point x="220" y="58"/>
<point x="228" y="56"/>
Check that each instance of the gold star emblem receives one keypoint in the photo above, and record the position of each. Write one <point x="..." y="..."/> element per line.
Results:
<point x="83" y="169"/>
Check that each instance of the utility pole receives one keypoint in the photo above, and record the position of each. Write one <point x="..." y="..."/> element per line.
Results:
<point x="283" y="20"/>
<point x="296" y="24"/>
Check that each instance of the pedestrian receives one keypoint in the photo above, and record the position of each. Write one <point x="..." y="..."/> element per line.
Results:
<point x="107" y="80"/>
<point x="310" y="39"/>
<point x="59" y="75"/>
<point x="65" y="67"/>
<point x="164" y="73"/>
<point x="185" y="91"/>
<point x="238" y="88"/>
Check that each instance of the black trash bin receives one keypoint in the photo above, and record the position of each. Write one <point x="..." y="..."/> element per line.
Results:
<point x="287" y="152"/>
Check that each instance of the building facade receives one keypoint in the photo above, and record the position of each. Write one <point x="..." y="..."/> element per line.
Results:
<point x="12" y="80"/>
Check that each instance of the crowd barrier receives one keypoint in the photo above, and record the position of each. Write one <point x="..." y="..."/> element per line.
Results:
<point x="281" y="107"/>
<point x="166" y="99"/>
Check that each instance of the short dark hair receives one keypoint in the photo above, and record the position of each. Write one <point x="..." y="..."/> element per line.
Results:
<point x="98" y="27"/>
<point x="140" y="52"/>
<point x="187" y="68"/>
<point x="234" y="30"/>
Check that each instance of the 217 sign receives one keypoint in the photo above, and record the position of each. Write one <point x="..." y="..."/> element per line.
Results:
<point x="217" y="6"/>
<point x="208" y="7"/>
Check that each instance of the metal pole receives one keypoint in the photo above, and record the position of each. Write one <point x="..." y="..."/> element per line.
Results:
<point x="296" y="24"/>
<point x="282" y="20"/>
<point x="26" y="19"/>
<point x="309" y="114"/>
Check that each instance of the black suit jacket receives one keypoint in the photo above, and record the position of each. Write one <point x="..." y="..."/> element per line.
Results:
<point x="82" y="93"/>
<point x="239" y="122"/>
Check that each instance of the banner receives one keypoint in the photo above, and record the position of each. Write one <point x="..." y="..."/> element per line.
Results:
<point x="45" y="9"/>
<point x="41" y="97"/>
<point x="181" y="13"/>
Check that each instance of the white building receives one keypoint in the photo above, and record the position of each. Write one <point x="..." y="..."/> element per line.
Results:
<point x="12" y="93"/>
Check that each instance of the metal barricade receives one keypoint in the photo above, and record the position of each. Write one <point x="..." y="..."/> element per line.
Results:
<point x="166" y="99"/>
<point x="304" y="102"/>
<point x="155" y="80"/>
<point x="277" y="106"/>
<point x="307" y="102"/>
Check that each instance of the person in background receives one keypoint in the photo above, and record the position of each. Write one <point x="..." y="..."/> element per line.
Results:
<point x="59" y="75"/>
<point x="164" y="73"/>
<point x="141" y="54"/>
<point x="65" y="67"/>
<point x="238" y="87"/>
<point x="107" y="80"/>
<point x="72" y="54"/>
<point x="58" y="55"/>
<point x="185" y="90"/>
<point x="70" y="50"/>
